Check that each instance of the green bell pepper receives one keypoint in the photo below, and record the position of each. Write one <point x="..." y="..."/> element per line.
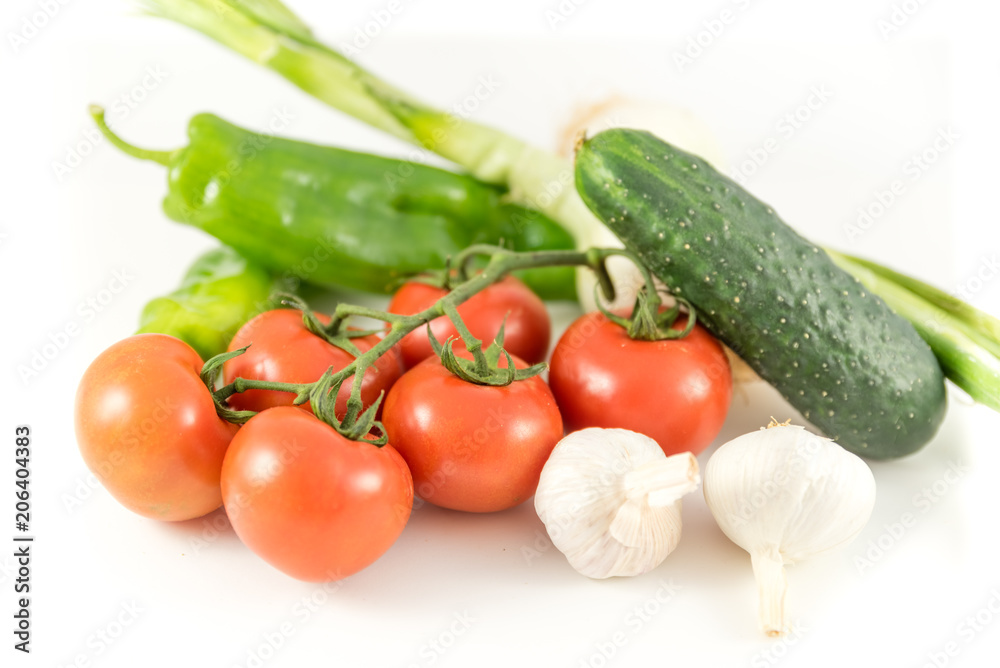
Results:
<point x="219" y="293"/>
<point x="334" y="217"/>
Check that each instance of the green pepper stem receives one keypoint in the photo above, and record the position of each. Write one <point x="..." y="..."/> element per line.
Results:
<point x="162" y="157"/>
<point x="271" y="35"/>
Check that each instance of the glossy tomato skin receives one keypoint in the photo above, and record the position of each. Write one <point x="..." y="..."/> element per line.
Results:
<point x="674" y="391"/>
<point x="282" y="349"/>
<point x="147" y="428"/>
<point x="526" y="333"/>
<point x="313" y="504"/>
<point x="472" y="447"/>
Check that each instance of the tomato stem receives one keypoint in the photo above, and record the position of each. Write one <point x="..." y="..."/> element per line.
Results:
<point x="358" y="424"/>
<point x="243" y="384"/>
<point x="647" y="322"/>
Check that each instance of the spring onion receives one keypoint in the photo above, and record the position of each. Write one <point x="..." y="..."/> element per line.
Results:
<point x="966" y="341"/>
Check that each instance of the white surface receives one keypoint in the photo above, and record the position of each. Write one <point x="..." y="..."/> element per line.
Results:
<point x="486" y="586"/>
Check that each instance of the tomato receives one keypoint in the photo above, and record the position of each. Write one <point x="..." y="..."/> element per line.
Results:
<point x="527" y="331"/>
<point x="674" y="391"/>
<point x="282" y="349"/>
<point x="147" y="427"/>
<point x="312" y="503"/>
<point x="470" y="447"/>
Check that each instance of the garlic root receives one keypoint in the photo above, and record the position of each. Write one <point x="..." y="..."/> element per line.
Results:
<point x="769" y="570"/>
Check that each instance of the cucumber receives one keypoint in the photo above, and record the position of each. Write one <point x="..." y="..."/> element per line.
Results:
<point x="839" y="355"/>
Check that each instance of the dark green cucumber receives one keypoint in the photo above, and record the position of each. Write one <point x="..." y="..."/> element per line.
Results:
<point x="836" y="352"/>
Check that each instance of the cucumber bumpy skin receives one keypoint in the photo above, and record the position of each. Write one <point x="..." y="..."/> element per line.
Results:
<point x="836" y="352"/>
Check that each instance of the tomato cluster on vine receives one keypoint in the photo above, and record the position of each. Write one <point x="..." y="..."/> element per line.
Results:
<point x="462" y="426"/>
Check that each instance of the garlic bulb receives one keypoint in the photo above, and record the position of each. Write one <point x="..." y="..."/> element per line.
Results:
<point x="785" y="494"/>
<point x="610" y="500"/>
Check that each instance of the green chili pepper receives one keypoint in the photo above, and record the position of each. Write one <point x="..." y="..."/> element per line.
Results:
<point x="336" y="217"/>
<point x="220" y="291"/>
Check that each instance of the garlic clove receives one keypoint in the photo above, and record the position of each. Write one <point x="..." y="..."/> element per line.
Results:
<point x="664" y="481"/>
<point x="637" y="524"/>
<point x="610" y="501"/>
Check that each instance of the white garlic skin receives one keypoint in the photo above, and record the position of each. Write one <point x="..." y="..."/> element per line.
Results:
<point x="804" y="495"/>
<point x="610" y="501"/>
<point x="784" y="494"/>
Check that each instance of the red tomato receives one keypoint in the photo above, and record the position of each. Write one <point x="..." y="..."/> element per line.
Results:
<point x="527" y="331"/>
<point x="147" y="427"/>
<point x="282" y="349"/>
<point x="675" y="391"/>
<point x="313" y="504"/>
<point x="472" y="447"/>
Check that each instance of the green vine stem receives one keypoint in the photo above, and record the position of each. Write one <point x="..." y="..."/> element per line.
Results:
<point x="357" y="423"/>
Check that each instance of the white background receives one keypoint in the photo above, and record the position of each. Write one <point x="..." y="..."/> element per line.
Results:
<point x="486" y="586"/>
